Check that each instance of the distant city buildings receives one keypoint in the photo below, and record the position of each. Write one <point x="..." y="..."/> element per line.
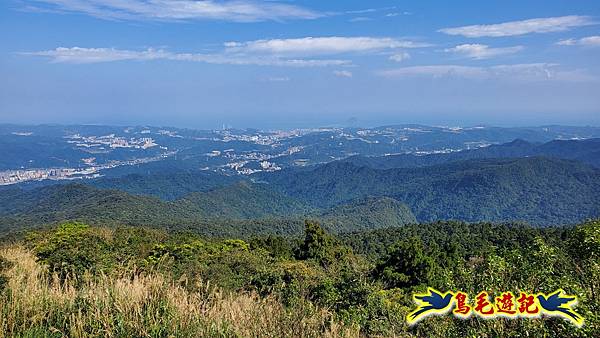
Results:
<point x="233" y="151"/>
<point x="8" y="177"/>
<point x="17" y="176"/>
<point x="111" y="141"/>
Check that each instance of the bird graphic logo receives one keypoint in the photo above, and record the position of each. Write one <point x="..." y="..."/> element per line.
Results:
<point x="431" y="303"/>
<point x="560" y="304"/>
<point x="506" y="305"/>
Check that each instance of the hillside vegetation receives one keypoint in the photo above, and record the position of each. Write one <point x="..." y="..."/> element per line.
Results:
<point x="78" y="281"/>
<point x="75" y="201"/>
<point x="343" y="196"/>
<point x="540" y="191"/>
<point x="367" y="214"/>
<point x="242" y="209"/>
<point x="167" y="184"/>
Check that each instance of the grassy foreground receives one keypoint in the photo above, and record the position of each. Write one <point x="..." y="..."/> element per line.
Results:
<point x="74" y="280"/>
<point x="141" y="305"/>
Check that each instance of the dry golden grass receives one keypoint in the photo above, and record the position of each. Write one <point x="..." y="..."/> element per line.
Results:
<point x="34" y="304"/>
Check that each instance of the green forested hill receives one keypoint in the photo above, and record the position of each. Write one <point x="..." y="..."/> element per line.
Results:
<point x="242" y="209"/>
<point x="370" y="213"/>
<point x="536" y="190"/>
<point x="167" y="184"/>
<point x="452" y="237"/>
<point x="343" y="196"/>
<point x="75" y="201"/>
<point x="243" y="200"/>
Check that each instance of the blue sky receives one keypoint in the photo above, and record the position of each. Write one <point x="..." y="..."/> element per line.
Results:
<point x="272" y="64"/>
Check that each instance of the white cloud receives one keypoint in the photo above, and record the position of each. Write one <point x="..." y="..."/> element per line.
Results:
<point x="515" y="72"/>
<point x="394" y="14"/>
<point x="300" y="52"/>
<point x="363" y="11"/>
<point x="96" y="55"/>
<point x="567" y="42"/>
<point x="99" y="55"/>
<point x="399" y="57"/>
<point x="435" y="71"/>
<point x="371" y="10"/>
<point x="590" y="41"/>
<point x="278" y="79"/>
<point x="165" y="10"/>
<point x="478" y="51"/>
<point x="360" y="19"/>
<point x="321" y="45"/>
<point x="342" y="73"/>
<point x="512" y="28"/>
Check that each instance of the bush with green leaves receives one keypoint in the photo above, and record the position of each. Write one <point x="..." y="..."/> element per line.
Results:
<point x="75" y="248"/>
<point x="371" y="289"/>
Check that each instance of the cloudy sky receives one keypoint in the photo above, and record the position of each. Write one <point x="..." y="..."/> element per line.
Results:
<point x="283" y="64"/>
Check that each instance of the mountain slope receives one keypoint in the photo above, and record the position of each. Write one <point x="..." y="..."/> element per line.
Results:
<point x="75" y="201"/>
<point x="367" y="214"/>
<point x="165" y="185"/>
<point x="242" y="200"/>
<point x="242" y="209"/>
<point x="26" y="208"/>
<point x="541" y="191"/>
<point x="537" y="190"/>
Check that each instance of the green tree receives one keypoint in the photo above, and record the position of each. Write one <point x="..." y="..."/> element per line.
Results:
<point x="406" y="264"/>
<point x="320" y="246"/>
<point x="73" y="249"/>
<point x="584" y="247"/>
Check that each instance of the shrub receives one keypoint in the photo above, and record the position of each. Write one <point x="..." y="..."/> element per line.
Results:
<point x="75" y="248"/>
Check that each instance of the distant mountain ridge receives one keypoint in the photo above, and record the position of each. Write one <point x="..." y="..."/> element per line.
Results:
<point x="586" y="151"/>
<point x="537" y="190"/>
<point x="542" y="191"/>
<point x="243" y="200"/>
<point x="121" y="150"/>
<point x="499" y="183"/>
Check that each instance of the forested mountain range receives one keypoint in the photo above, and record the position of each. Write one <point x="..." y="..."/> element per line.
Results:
<point x="241" y="209"/>
<point x="586" y="151"/>
<point x="537" y="190"/>
<point x="556" y="182"/>
<point x="346" y="197"/>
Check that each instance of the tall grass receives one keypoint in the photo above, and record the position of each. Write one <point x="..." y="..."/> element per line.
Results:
<point x="37" y="304"/>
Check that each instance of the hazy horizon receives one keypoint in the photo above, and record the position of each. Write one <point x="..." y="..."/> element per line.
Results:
<point x="350" y="123"/>
<point x="294" y="64"/>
